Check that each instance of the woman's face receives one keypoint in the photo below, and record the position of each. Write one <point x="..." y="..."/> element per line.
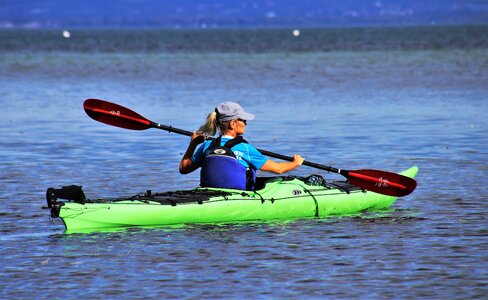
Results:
<point x="238" y="126"/>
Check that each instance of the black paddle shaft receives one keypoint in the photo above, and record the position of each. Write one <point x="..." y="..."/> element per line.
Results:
<point x="264" y="152"/>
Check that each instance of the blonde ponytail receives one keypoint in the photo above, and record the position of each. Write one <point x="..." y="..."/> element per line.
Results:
<point x="210" y="126"/>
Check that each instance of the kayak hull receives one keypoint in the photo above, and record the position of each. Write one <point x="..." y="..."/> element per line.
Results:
<point x="280" y="199"/>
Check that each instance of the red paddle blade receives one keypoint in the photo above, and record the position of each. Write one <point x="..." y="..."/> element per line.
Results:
<point x="382" y="182"/>
<point x="115" y="115"/>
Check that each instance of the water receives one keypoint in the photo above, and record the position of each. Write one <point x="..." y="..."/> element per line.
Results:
<point x="385" y="107"/>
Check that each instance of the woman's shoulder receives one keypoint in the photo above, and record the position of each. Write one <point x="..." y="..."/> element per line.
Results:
<point x="248" y="146"/>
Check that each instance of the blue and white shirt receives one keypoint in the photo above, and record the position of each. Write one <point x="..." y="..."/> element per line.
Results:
<point x="241" y="150"/>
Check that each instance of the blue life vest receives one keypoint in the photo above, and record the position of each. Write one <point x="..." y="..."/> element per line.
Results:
<point x="221" y="169"/>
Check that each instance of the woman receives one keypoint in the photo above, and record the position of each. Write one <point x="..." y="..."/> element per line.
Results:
<point x="224" y="168"/>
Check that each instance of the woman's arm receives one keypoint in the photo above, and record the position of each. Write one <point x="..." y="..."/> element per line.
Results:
<point x="186" y="164"/>
<point x="282" y="167"/>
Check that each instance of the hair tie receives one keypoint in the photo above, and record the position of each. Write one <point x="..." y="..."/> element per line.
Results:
<point x="217" y="116"/>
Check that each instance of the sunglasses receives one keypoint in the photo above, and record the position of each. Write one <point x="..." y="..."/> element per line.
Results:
<point x="243" y="121"/>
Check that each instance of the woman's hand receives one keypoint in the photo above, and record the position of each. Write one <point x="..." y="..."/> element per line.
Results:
<point x="298" y="160"/>
<point x="197" y="138"/>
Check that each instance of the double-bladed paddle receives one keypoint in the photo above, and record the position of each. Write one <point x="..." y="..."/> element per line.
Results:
<point x="382" y="182"/>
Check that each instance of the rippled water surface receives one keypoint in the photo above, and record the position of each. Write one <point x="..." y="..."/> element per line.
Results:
<point x="386" y="108"/>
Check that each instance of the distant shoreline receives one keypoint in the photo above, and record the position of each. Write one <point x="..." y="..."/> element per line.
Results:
<point x="246" y="40"/>
<point x="285" y="26"/>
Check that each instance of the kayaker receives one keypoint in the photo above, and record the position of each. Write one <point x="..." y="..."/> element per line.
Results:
<point x="229" y="161"/>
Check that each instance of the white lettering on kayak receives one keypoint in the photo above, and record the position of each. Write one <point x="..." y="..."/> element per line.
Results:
<point x="113" y="112"/>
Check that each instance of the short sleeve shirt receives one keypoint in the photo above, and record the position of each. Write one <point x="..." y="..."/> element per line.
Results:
<point x="243" y="151"/>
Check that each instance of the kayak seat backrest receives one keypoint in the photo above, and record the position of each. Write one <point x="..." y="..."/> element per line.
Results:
<point x="222" y="171"/>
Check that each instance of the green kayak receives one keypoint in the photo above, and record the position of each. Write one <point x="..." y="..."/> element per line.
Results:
<point x="276" y="198"/>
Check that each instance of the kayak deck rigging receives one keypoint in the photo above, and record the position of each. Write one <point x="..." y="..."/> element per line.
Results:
<point x="197" y="195"/>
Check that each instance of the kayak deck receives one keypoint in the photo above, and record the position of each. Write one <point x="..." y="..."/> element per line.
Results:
<point x="278" y="198"/>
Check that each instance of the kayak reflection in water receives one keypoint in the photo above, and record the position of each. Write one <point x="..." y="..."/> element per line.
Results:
<point x="229" y="161"/>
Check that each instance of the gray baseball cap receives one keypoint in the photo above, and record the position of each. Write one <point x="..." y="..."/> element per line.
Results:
<point x="231" y="111"/>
